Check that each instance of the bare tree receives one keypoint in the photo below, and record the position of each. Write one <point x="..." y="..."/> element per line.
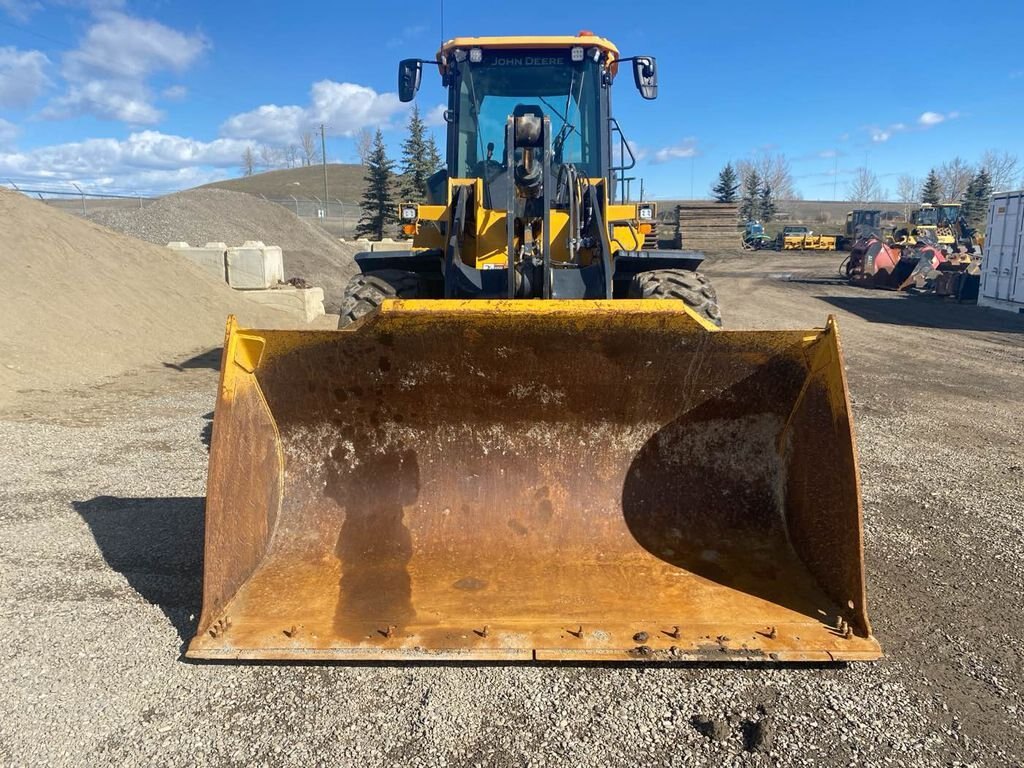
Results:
<point x="310" y="148"/>
<point x="864" y="186"/>
<point x="291" y="156"/>
<point x="954" y="177"/>
<point x="270" y="157"/>
<point x="774" y="171"/>
<point x="248" y="161"/>
<point x="1001" y="168"/>
<point x="907" y="188"/>
<point x="364" y="144"/>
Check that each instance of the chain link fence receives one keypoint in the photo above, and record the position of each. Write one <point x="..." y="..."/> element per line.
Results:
<point x="79" y="201"/>
<point x="336" y="216"/>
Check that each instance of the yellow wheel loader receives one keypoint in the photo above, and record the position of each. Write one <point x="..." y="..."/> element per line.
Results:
<point x="530" y="439"/>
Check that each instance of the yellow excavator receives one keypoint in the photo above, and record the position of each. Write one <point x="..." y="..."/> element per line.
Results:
<point x="530" y="438"/>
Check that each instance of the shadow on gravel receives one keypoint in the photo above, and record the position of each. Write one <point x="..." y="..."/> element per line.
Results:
<point x="926" y="312"/>
<point x="157" y="543"/>
<point x="209" y="359"/>
<point x="207" y="434"/>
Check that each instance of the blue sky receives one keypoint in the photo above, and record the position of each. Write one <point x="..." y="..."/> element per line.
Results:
<point x="157" y="96"/>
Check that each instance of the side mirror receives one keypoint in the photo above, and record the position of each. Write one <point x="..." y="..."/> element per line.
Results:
<point x="409" y="73"/>
<point x="645" y="75"/>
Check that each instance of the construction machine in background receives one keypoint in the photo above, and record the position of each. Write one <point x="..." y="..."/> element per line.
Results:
<point x="530" y="439"/>
<point x="875" y="263"/>
<point x="801" y="238"/>
<point x="860" y="223"/>
<point x="754" y="238"/>
<point x="943" y="225"/>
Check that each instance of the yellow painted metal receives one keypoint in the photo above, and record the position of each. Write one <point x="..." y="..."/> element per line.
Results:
<point x="519" y="480"/>
<point x="809" y="243"/>
<point x="486" y="243"/>
<point x="530" y="42"/>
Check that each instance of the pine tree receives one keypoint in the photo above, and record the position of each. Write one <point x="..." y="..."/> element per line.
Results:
<point x="420" y="159"/>
<point x="727" y="186"/>
<point x="977" y="198"/>
<point x="931" y="192"/>
<point x="434" y="161"/>
<point x="377" y="203"/>
<point x="750" y="204"/>
<point x="767" y="204"/>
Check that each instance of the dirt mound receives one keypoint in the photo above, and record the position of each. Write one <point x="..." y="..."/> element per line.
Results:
<point x="200" y="216"/>
<point x="80" y="302"/>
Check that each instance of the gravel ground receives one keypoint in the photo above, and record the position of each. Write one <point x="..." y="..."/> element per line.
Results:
<point x="199" y="216"/>
<point x="101" y="515"/>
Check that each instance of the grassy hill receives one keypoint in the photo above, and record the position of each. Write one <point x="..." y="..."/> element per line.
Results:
<point x="344" y="182"/>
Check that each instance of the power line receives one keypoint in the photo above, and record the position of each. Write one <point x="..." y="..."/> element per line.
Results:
<point x="323" y="152"/>
<point x="49" y="39"/>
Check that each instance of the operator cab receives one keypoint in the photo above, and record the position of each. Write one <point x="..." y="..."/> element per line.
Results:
<point x="564" y="79"/>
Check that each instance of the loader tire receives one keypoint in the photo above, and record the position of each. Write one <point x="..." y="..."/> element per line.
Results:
<point x="366" y="292"/>
<point x="693" y="288"/>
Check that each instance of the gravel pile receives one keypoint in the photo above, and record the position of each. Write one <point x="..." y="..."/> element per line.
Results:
<point x="200" y="216"/>
<point x="81" y="302"/>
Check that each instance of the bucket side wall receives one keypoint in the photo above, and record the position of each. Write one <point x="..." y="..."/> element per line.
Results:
<point x="823" y="501"/>
<point x="244" y="490"/>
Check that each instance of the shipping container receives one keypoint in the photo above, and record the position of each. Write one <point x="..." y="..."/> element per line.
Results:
<point x="1002" y="274"/>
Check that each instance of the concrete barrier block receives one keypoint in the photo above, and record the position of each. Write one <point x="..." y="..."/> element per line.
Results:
<point x="255" y="266"/>
<point x="308" y="303"/>
<point x="210" y="257"/>
<point x="387" y="244"/>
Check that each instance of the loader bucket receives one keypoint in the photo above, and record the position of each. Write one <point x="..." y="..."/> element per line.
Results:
<point x="530" y="480"/>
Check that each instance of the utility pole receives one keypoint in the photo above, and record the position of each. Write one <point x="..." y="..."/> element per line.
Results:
<point x="323" y="155"/>
<point x="641" y="189"/>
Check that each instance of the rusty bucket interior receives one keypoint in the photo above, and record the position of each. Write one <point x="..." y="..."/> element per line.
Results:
<point x="531" y="480"/>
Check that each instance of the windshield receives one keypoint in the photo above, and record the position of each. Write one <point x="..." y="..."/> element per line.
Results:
<point x="565" y="91"/>
<point x="926" y="217"/>
<point x="949" y="213"/>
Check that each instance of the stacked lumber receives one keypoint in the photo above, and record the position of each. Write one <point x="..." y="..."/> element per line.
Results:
<point x="702" y="224"/>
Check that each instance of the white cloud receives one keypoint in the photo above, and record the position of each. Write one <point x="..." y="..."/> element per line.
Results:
<point x="20" y="10"/>
<point x="146" y="159"/>
<point x="107" y="100"/>
<point x="22" y="76"/>
<point x="685" y="149"/>
<point x="8" y="133"/>
<point x="435" y="117"/>
<point x="925" y="121"/>
<point x="879" y="135"/>
<point x="270" y="123"/>
<point x="345" y="108"/>
<point x="175" y="92"/>
<point x="639" y="152"/>
<point x="123" y="46"/>
<point x="107" y="72"/>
